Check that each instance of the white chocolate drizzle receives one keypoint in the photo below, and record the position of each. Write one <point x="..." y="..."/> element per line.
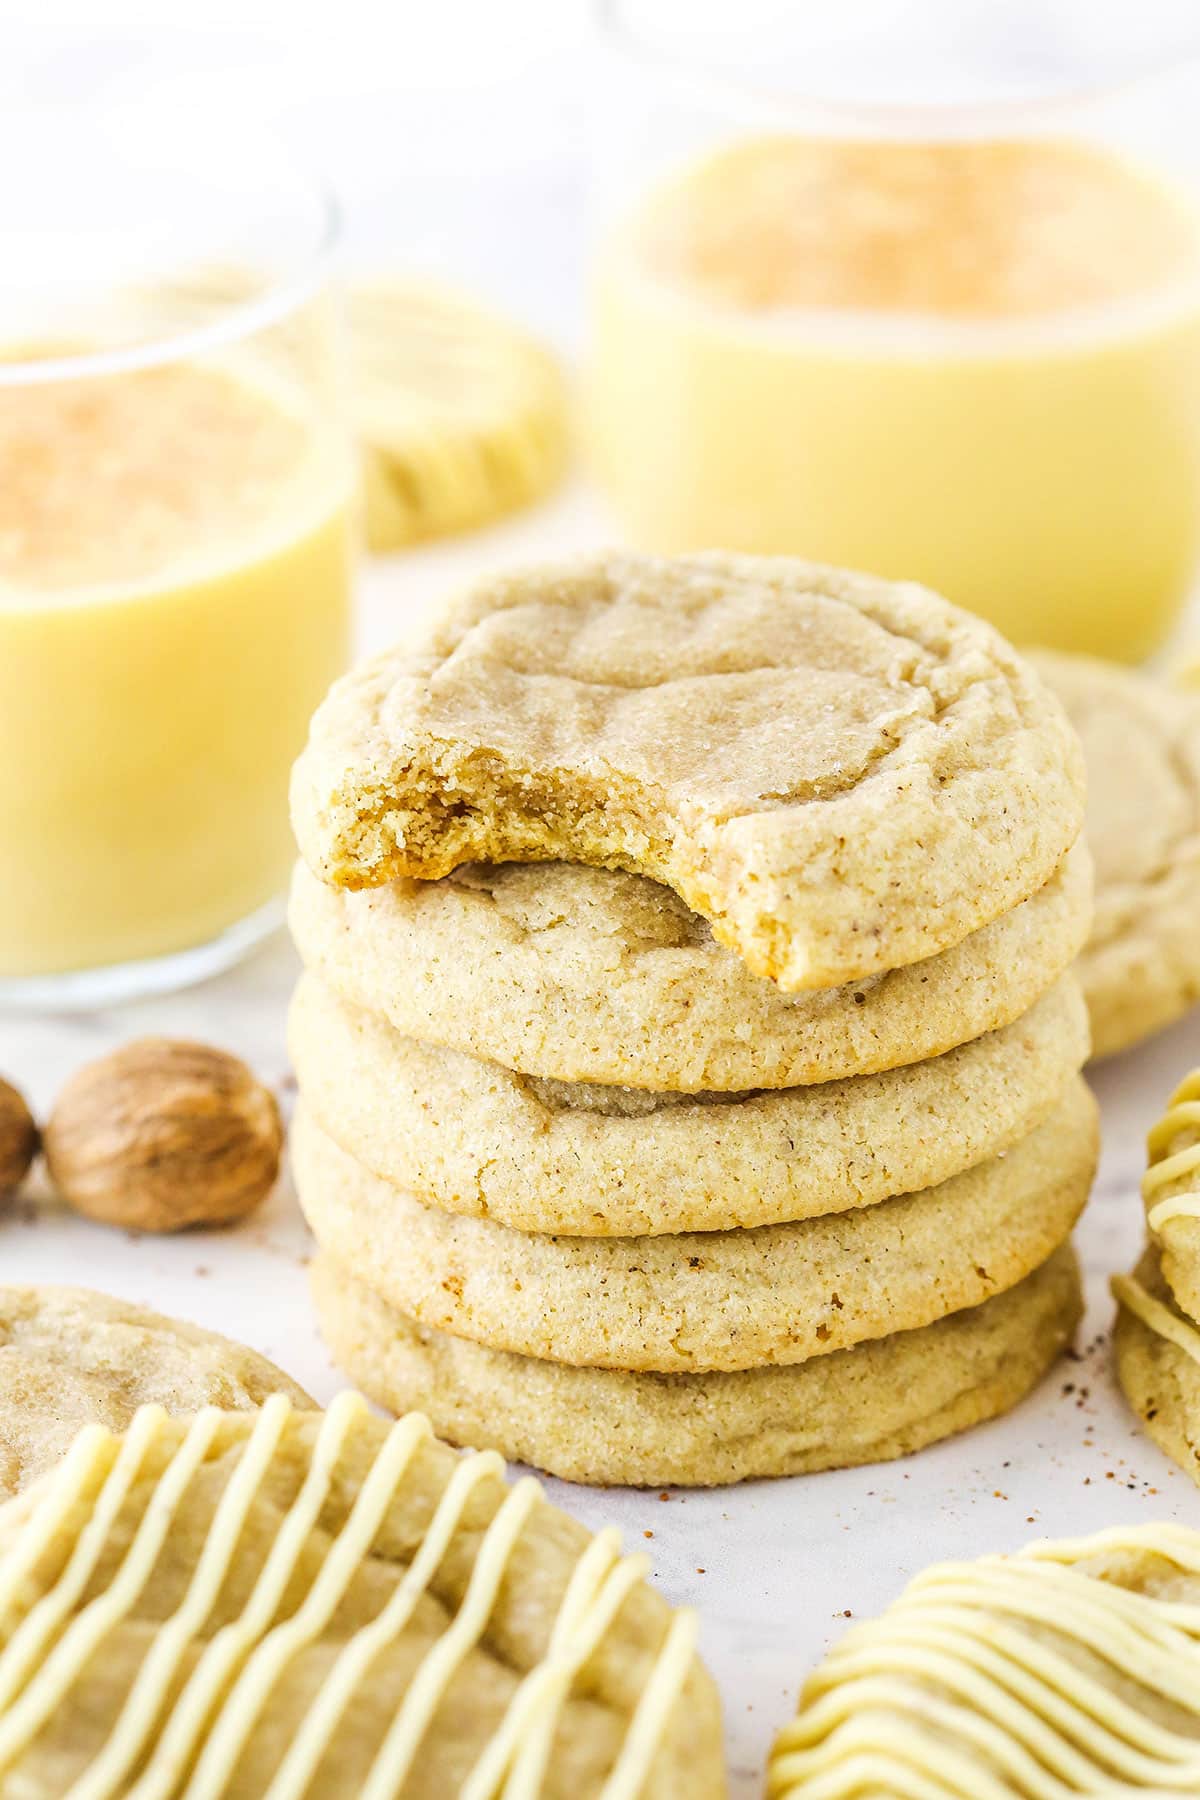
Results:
<point x="1010" y="1676"/>
<point x="1156" y="1314"/>
<point x="1182" y="1164"/>
<point x="189" y="1747"/>
<point x="1173" y="1160"/>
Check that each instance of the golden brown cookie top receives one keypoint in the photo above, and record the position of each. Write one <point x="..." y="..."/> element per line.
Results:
<point x="70" y="1357"/>
<point x="842" y="774"/>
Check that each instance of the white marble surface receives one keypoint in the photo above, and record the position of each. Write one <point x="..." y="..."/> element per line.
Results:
<point x="775" y="1568"/>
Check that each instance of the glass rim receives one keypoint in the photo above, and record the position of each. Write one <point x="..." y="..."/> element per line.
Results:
<point x="239" y="320"/>
<point x="622" y="32"/>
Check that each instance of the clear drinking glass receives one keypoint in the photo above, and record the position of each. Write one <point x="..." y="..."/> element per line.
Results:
<point x="175" y="544"/>
<point x="914" y="289"/>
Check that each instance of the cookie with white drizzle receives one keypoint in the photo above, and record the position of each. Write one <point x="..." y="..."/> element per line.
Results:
<point x="1157" y="1351"/>
<point x="1157" y="1339"/>
<point x="460" y="415"/>
<point x="306" y="1604"/>
<point x="1070" y="1668"/>
<point x="1171" y="1192"/>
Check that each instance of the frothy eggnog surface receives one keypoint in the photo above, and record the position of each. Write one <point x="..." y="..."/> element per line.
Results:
<point x="975" y="363"/>
<point x="174" y="570"/>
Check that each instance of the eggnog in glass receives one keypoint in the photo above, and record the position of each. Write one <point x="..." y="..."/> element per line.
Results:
<point x="175" y="552"/>
<point x="933" y="326"/>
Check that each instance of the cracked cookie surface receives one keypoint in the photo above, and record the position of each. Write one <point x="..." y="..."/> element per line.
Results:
<point x="70" y="1356"/>
<point x="843" y="775"/>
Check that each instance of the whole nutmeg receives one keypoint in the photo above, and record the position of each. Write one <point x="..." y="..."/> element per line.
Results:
<point x="18" y="1138"/>
<point x="164" y="1134"/>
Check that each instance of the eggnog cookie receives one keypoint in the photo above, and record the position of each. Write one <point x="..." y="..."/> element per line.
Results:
<point x="1141" y="741"/>
<point x="593" y="975"/>
<point x="1158" y="1361"/>
<point x="1171" y="1193"/>
<point x="1069" y="1668"/>
<point x="305" y="1603"/>
<point x="710" y="1299"/>
<point x="843" y="775"/>
<point x="877" y="1401"/>
<point x="69" y="1356"/>
<point x="540" y="1155"/>
<point x="460" y="415"/>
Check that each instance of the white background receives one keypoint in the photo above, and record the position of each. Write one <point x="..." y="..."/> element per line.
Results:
<point x="455" y="132"/>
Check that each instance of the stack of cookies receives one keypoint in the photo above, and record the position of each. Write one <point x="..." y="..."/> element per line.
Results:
<point x="687" y="1051"/>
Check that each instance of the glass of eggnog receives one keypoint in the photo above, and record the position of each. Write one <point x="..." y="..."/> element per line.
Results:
<point x="886" y="286"/>
<point x="175" y="546"/>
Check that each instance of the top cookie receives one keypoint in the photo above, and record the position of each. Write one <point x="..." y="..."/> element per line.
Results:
<point x="1141" y="742"/>
<point x="843" y="775"/>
